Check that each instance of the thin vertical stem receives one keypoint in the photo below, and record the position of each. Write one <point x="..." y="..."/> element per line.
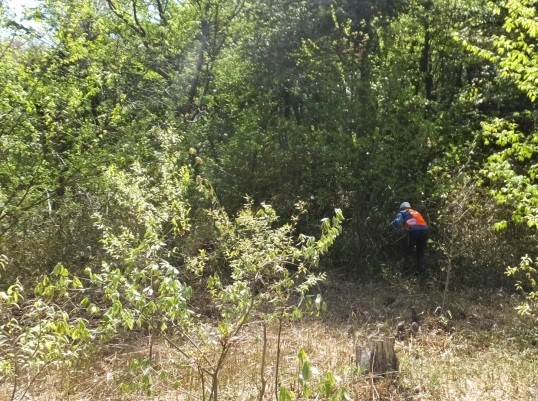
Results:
<point x="277" y="370"/>
<point x="264" y="356"/>
<point x="447" y="283"/>
<point x="16" y="375"/>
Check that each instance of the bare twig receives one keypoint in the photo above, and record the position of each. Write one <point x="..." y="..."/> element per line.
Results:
<point x="263" y="380"/>
<point x="277" y="363"/>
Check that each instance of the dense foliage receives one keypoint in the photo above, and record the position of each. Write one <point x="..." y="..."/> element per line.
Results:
<point x="131" y="131"/>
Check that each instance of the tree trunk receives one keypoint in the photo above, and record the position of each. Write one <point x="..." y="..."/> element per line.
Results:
<point x="377" y="356"/>
<point x="425" y="66"/>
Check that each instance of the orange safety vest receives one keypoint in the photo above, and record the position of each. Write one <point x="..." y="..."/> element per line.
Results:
<point x="415" y="220"/>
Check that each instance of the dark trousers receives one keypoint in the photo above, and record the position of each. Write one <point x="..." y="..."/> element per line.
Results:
<point x="416" y="247"/>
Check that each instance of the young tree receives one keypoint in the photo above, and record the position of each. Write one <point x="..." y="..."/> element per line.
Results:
<point x="511" y="171"/>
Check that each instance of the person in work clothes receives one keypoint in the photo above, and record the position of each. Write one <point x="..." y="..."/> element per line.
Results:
<point x="417" y="236"/>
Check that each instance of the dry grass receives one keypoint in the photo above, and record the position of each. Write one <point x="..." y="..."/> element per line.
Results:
<point x="478" y="354"/>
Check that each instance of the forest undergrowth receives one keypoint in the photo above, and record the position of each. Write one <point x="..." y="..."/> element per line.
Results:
<point x="166" y="166"/>
<point x="478" y="348"/>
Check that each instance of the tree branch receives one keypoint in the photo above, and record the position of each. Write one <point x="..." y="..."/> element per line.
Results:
<point x="162" y="10"/>
<point x="137" y="21"/>
<point x="118" y="14"/>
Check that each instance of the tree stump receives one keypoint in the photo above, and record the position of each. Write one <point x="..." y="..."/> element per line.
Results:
<point x="378" y="356"/>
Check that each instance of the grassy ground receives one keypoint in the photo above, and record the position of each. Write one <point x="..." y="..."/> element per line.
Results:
<point x="480" y="350"/>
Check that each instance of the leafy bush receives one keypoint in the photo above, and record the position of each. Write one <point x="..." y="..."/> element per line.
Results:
<point x="40" y="332"/>
<point x="527" y="274"/>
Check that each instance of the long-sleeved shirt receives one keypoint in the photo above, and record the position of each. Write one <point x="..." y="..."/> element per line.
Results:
<point x="412" y="219"/>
